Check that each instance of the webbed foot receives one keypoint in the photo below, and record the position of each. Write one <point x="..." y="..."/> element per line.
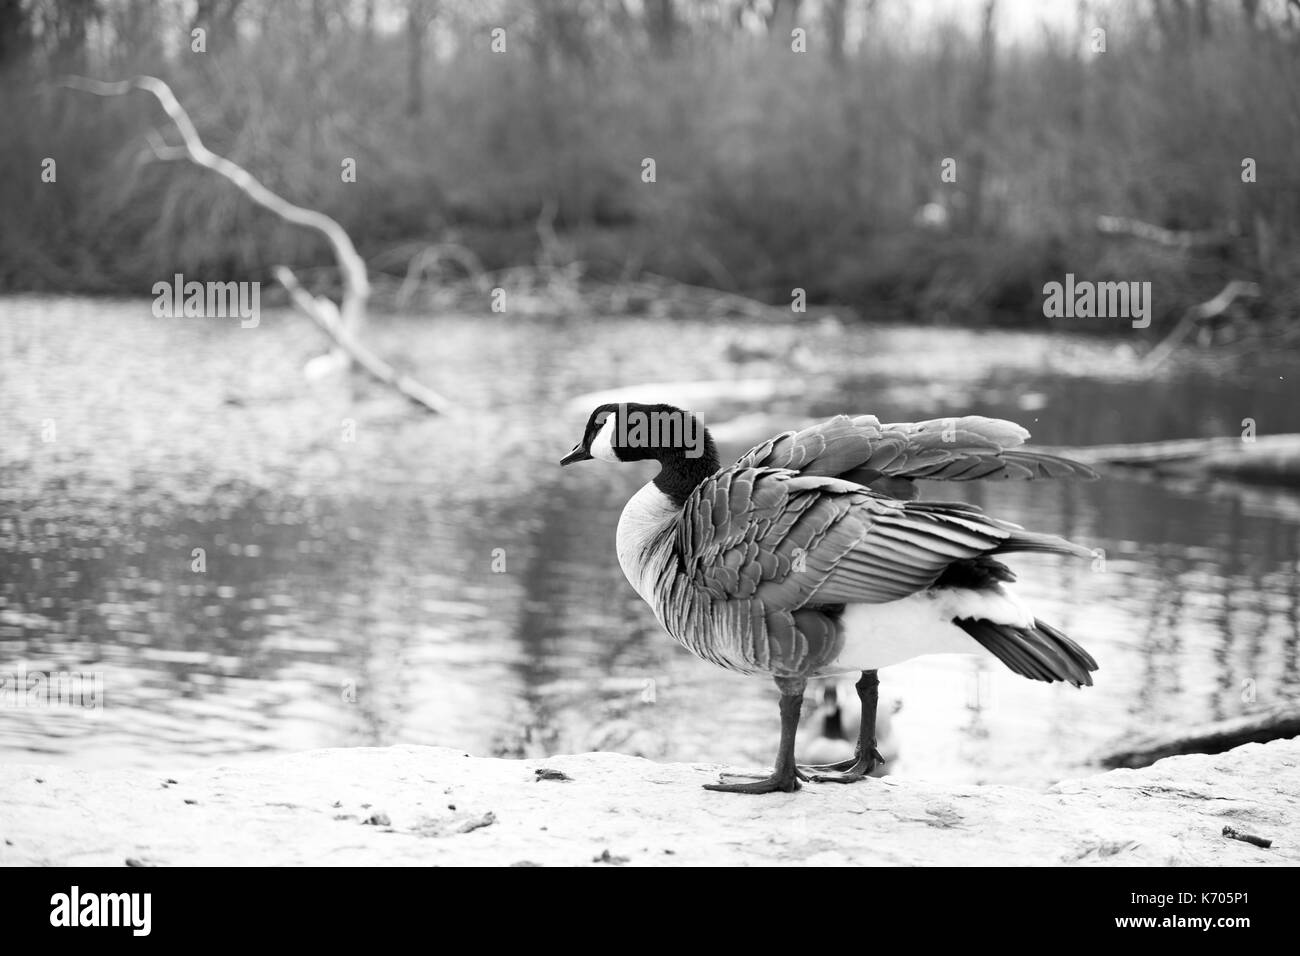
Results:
<point x="847" y="771"/>
<point x="787" y="782"/>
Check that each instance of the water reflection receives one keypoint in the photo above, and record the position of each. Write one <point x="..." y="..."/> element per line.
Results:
<point x="441" y="581"/>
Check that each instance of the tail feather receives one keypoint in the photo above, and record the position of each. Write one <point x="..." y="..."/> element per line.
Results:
<point x="1040" y="652"/>
<point x="1074" y="648"/>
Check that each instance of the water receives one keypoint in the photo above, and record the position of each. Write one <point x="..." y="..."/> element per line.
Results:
<point x="438" y="580"/>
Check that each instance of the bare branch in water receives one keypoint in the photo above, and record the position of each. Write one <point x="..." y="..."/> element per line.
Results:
<point x="341" y="323"/>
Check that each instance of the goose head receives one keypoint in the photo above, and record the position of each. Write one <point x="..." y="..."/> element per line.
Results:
<point x="631" y="431"/>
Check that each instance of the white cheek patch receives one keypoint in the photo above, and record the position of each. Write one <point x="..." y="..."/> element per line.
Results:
<point x="602" y="446"/>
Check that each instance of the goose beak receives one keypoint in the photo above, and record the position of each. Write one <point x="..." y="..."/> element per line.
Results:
<point x="578" y="454"/>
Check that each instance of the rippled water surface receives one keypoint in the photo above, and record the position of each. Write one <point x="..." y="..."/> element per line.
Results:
<point x="374" y="576"/>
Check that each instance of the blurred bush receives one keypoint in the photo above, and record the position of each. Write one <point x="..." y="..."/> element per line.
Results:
<point x="775" y="169"/>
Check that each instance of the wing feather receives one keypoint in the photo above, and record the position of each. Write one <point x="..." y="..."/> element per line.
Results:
<point x="811" y="520"/>
<point x="807" y="539"/>
<point x="884" y="456"/>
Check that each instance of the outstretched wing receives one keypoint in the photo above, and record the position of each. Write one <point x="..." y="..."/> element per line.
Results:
<point x="889" y="458"/>
<point x="771" y="556"/>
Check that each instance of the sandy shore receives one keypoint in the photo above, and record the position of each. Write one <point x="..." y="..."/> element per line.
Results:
<point x="432" y="806"/>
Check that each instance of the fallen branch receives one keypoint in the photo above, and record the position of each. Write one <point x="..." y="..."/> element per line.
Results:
<point x="1174" y="238"/>
<point x="1279" y="723"/>
<point x="326" y="315"/>
<point x="340" y="322"/>
<point x="1194" y="316"/>
<point x="430" y="256"/>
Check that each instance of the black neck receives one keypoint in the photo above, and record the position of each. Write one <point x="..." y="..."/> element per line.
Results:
<point x="681" y="474"/>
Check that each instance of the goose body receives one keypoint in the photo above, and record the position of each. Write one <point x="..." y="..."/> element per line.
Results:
<point x="810" y="557"/>
<point x="870" y="636"/>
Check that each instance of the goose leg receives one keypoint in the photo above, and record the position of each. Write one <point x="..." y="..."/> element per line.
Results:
<point x="786" y="775"/>
<point x="867" y="757"/>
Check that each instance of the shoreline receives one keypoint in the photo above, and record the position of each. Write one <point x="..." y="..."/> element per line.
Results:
<point x="422" y="806"/>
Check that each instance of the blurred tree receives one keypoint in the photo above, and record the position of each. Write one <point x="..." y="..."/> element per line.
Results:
<point x="1180" y="23"/>
<point x="982" y="115"/>
<point x="15" y="31"/>
<point x="419" y="14"/>
<point x="562" y="34"/>
<point x="782" y="17"/>
<point x="368" y="22"/>
<point x="661" y="24"/>
<point x="220" y="19"/>
<point x="834" y="14"/>
<point x="64" y="23"/>
<point x="135" y="25"/>
<point x="1203" y="22"/>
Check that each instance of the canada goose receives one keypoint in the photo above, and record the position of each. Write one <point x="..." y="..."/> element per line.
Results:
<point x="808" y="556"/>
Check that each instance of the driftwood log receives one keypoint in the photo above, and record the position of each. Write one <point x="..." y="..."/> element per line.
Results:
<point x="1264" y="459"/>
<point x="1281" y="722"/>
<point x="342" y="322"/>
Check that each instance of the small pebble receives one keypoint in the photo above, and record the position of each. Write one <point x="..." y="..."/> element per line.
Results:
<point x="379" y="819"/>
<point x="486" y="820"/>
<point x="607" y="857"/>
<point x="135" y="861"/>
<point x="190" y="802"/>
<point x="545" y="773"/>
